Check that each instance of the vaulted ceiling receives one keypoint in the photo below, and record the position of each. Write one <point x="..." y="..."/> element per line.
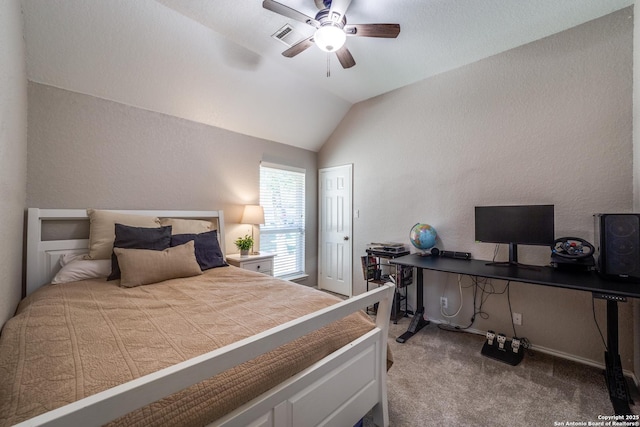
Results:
<point x="215" y="62"/>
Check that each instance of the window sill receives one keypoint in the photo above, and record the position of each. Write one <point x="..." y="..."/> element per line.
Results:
<point x="294" y="277"/>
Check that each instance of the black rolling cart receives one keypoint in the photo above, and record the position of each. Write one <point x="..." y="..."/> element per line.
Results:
<point x="377" y="270"/>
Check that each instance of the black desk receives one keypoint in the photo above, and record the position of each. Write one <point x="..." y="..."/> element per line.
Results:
<point x="612" y="291"/>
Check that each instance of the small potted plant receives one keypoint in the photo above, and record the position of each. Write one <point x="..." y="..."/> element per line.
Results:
<point x="244" y="244"/>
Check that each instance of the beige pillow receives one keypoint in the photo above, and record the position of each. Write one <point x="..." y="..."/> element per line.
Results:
<point x="187" y="226"/>
<point x="144" y="266"/>
<point x="102" y="230"/>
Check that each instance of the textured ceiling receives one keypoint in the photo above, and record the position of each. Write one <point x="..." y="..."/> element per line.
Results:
<point x="214" y="61"/>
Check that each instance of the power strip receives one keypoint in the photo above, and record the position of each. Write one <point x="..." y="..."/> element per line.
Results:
<point x="452" y="254"/>
<point x="609" y="297"/>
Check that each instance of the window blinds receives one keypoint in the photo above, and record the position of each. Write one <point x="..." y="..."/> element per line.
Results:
<point x="282" y="196"/>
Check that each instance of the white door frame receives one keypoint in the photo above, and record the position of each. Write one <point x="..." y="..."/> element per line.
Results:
<point x="348" y="231"/>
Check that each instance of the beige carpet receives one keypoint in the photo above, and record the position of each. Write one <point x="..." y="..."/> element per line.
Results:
<point x="439" y="378"/>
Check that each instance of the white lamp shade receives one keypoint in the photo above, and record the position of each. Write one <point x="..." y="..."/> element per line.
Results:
<point x="329" y="38"/>
<point x="253" y="214"/>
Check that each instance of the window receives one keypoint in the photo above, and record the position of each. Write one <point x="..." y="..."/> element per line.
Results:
<point x="283" y="233"/>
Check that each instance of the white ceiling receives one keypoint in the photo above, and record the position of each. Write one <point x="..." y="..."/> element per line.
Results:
<point x="214" y="61"/>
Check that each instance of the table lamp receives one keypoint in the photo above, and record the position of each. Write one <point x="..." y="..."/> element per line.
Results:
<point x="254" y="215"/>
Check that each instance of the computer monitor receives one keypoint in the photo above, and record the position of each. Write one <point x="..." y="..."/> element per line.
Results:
<point x="515" y="225"/>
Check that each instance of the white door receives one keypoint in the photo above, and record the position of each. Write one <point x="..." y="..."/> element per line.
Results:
<point x="335" y="229"/>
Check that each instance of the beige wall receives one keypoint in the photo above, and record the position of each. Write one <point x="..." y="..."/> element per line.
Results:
<point x="548" y="122"/>
<point x="13" y="154"/>
<point x="88" y="152"/>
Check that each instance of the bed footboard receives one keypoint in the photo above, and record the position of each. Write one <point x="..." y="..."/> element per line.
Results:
<point x="337" y="391"/>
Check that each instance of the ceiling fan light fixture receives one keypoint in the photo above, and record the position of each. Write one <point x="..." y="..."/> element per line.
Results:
<point x="330" y="37"/>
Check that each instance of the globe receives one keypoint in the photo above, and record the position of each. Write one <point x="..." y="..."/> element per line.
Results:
<point x="423" y="236"/>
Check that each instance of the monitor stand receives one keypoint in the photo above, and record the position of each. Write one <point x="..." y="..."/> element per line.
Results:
<point x="513" y="260"/>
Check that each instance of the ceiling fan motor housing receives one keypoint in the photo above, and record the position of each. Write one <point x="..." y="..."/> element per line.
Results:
<point x="323" y="18"/>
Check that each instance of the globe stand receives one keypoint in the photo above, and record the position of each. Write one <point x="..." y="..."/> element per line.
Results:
<point x="424" y="253"/>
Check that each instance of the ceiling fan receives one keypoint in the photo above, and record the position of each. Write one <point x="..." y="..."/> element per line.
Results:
<point x="331" y="28"/>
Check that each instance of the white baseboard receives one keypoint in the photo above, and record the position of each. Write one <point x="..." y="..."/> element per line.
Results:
<point x="551" y="352"/>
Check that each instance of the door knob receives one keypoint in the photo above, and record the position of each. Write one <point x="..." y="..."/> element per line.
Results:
<point x="346" y="238"/>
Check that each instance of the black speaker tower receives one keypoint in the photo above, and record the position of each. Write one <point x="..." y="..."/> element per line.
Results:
<point x="619" y="240"/>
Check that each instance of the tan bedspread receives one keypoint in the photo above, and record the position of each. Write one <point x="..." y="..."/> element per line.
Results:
<point x="70" y="341"/>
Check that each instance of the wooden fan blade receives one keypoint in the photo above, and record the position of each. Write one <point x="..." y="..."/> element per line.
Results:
<point x="286" y="11"/>
<point x="389" y="31"/>
<point x="345" y="58"/>
<point x="299" y="47"/>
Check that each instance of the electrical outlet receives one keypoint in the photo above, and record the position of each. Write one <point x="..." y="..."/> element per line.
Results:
<point x="517" y="318"/>
<point x="444" y="302"/>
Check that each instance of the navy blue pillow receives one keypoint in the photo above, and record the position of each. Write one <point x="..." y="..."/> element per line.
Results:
<point x="208" y="252"/>
<point x="157" y="239"/>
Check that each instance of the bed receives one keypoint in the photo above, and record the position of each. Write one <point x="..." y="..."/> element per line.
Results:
<point x="225" y="346"/>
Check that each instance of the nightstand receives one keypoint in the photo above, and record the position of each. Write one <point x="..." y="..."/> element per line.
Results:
<point x="262" y="263"/>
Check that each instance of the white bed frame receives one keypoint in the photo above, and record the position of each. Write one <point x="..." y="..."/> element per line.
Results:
<point x="336" y="391"/>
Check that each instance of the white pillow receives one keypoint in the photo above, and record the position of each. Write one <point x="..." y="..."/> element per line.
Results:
<point x="67" y="257"/>
<point x="75" y="268"/>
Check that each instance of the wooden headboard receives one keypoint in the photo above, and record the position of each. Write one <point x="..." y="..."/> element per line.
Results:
<point x="43" y="256"/>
